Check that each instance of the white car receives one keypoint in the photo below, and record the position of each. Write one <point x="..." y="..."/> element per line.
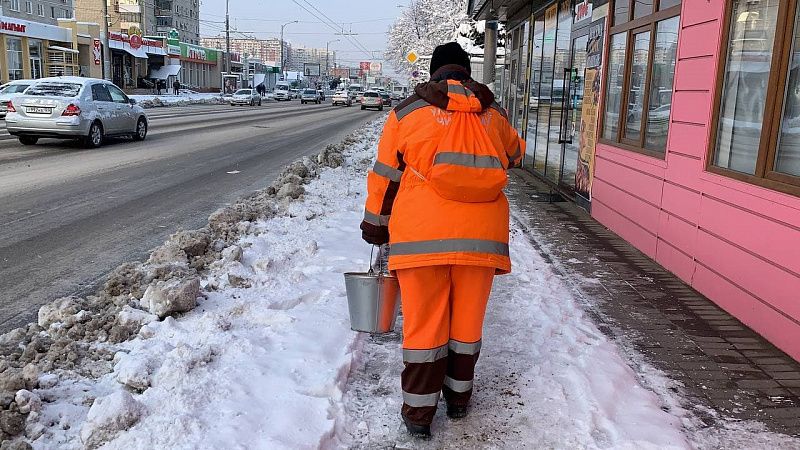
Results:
<point x="10" y="90"/>
<point x="88" y="109"/>
<point x="246" y="97"/>
<point x="341" y="98"/>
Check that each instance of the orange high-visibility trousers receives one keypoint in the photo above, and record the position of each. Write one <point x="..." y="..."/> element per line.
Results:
<point x="443" y="311"/>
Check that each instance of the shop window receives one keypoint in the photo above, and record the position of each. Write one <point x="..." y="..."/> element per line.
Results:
<point x="641" y="69"/>
<point x="14" y="58"/>
<point x="757" y="129"/>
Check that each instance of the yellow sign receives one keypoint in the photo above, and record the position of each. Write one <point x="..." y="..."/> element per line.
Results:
<point x="134" y="30"/>
<point x="412" y="57"/>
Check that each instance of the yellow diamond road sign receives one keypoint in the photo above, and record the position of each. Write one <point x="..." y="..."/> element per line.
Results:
<point x="412" y="57"/>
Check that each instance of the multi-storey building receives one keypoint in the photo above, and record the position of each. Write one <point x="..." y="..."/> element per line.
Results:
<point x="300" y="56"/>
<point x="42" y="11"/>
<point x="266" y="50"/>
<point x="180" y="15"/>
<point x="123" y="15"/>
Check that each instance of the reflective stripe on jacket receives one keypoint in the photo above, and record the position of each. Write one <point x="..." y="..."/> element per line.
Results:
<point x="426" y="229"/>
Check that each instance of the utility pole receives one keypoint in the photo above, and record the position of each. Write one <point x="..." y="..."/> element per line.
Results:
<point x="227" y="37"/>
<point x="327" y="54"/>
<point x="104" y="42"/>
<point x="283" y="58"/>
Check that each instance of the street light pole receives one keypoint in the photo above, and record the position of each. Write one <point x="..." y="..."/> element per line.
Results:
<point x="106" y="50"/>
<point x="227" y="37"/>
<point x="283" y="58"/>
<point x="327" y="54"/>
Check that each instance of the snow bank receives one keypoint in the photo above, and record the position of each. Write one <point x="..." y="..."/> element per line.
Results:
<point x="154" y="101"/>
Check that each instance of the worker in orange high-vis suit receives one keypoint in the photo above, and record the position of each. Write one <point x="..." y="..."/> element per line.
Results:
<point x="435" y="194"/>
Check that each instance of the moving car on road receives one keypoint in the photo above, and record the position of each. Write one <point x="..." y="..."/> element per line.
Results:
<point x="341" y="98"/>
<point x="387" y="100"/>
<point x="309" y="96"/>
<point x="11" y="90"/>
<point x="282" y="92"/>
<point x="246" y="97"/>
<point x="372" y="99"/>
<point x="81" y="108"/>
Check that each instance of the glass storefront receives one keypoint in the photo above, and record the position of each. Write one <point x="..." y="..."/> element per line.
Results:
<point x="547" y="108"/>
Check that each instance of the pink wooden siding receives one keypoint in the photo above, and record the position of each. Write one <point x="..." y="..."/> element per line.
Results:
<point x="736" y="243"/>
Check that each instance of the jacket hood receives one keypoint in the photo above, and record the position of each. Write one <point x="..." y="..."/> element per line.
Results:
<point x="452" y="89"/>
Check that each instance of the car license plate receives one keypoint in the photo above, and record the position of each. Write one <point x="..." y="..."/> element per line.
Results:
<point x="38" y="110"/>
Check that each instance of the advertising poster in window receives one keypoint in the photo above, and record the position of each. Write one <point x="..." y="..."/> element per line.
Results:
<point x="230" y="83"/>
<point x="588" y="132"/>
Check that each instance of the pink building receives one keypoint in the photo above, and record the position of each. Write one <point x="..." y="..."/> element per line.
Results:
<point x="719" y="205"/>
<point x="677" y="124"/>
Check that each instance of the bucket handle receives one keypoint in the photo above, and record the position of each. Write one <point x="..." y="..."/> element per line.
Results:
<point x="380" y="262"/>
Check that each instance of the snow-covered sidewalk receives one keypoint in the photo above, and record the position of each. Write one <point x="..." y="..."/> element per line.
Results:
<point x="267" y="360"/>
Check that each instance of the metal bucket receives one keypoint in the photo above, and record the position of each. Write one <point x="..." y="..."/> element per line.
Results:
<point x="373" y="299"/>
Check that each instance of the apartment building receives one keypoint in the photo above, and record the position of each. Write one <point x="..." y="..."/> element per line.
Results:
<point x="42" y="11"/>
<point x="302" y="55"/>
<point x="266" y="50"/>
<point x="180" y="15"/>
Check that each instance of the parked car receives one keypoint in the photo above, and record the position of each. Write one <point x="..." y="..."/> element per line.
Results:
<point x="387" y="100"/>
<point x="11" y="90"/>
<point x="87" y="109"/>
<point x="372" y="99"/>
<point x="246" y="97"/>
<point x="309" y="96"/>
<point x="341" y="98"/>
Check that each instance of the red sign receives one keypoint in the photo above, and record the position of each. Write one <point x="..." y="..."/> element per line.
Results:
<point x="135" y="41"/>
<point x="11" y="26"/>
<point x="97" y="51"/>
<point x="364" y="66"/>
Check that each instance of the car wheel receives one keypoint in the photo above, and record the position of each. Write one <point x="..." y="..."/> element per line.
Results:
<point x="28" y="140"/>
<point x="95" y="137"/>
<point x="363" y="108"/>
<point x="141" y="130"/>
<point x="380" y="108"/>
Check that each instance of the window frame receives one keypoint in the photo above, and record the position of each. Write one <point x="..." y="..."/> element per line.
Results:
<point x="631" y="27"/>
<point x="765" y="174"/>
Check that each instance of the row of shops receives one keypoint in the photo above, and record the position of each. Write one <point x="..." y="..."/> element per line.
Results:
<point x="677" y="124"/>
<point x="30" y="50"/>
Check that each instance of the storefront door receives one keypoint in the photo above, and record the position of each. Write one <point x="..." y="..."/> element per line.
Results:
<point x="35" y="52"/>
<point x="573" y="107"/>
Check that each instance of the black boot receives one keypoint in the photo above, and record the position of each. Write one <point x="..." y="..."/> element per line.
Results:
<point x="456" y="412"/>
<point x="417" y="431"/>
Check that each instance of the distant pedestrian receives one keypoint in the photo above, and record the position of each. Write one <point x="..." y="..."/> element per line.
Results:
<point x="176" y="87"/>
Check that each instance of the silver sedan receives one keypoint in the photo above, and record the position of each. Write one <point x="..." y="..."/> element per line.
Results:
<point x="87" y="109"/>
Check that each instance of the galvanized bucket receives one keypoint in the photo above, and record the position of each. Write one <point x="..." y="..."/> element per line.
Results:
<point x="373" y="299"/>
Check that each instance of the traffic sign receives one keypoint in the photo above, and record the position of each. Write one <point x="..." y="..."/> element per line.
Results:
<point x="412" y="57"/>
<point x="415" y="74"/>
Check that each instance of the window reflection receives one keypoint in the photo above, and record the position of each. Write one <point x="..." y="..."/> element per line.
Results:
<point x="616" y="80"/>
<point x="641" y="54"/>
<point x="660" y="103"/>
<point x="752" y="36"/>
<point x="788" y="157"/>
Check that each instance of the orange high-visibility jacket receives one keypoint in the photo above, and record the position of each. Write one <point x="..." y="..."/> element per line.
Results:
<point x="424" y="228"/>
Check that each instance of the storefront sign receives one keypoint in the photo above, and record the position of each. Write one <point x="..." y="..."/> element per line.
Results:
<point x="135" y="41"/>
<point x="594" y="47"/>
<point x="196" y="53"/>
<point x="588" y="132"/>
<point x="583" y="10"/>
<point x="375" y="67"/>
<point x="11" y="26"/>
<point x="97" y="51"/>
<point x="19" y="27"/>
<point x="174" y="50"/>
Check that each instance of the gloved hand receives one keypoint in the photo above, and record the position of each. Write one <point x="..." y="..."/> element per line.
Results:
<point x="373" y="234"/>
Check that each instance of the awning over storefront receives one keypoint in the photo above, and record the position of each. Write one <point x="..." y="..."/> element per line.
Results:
<point x="154" y="50"/>
<point x="164" y="72"/>
<point x="118" y="41"/>
<point x="63" y="49"/>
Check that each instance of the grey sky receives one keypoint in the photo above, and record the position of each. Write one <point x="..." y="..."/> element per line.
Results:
<point x="263" y="19"/>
